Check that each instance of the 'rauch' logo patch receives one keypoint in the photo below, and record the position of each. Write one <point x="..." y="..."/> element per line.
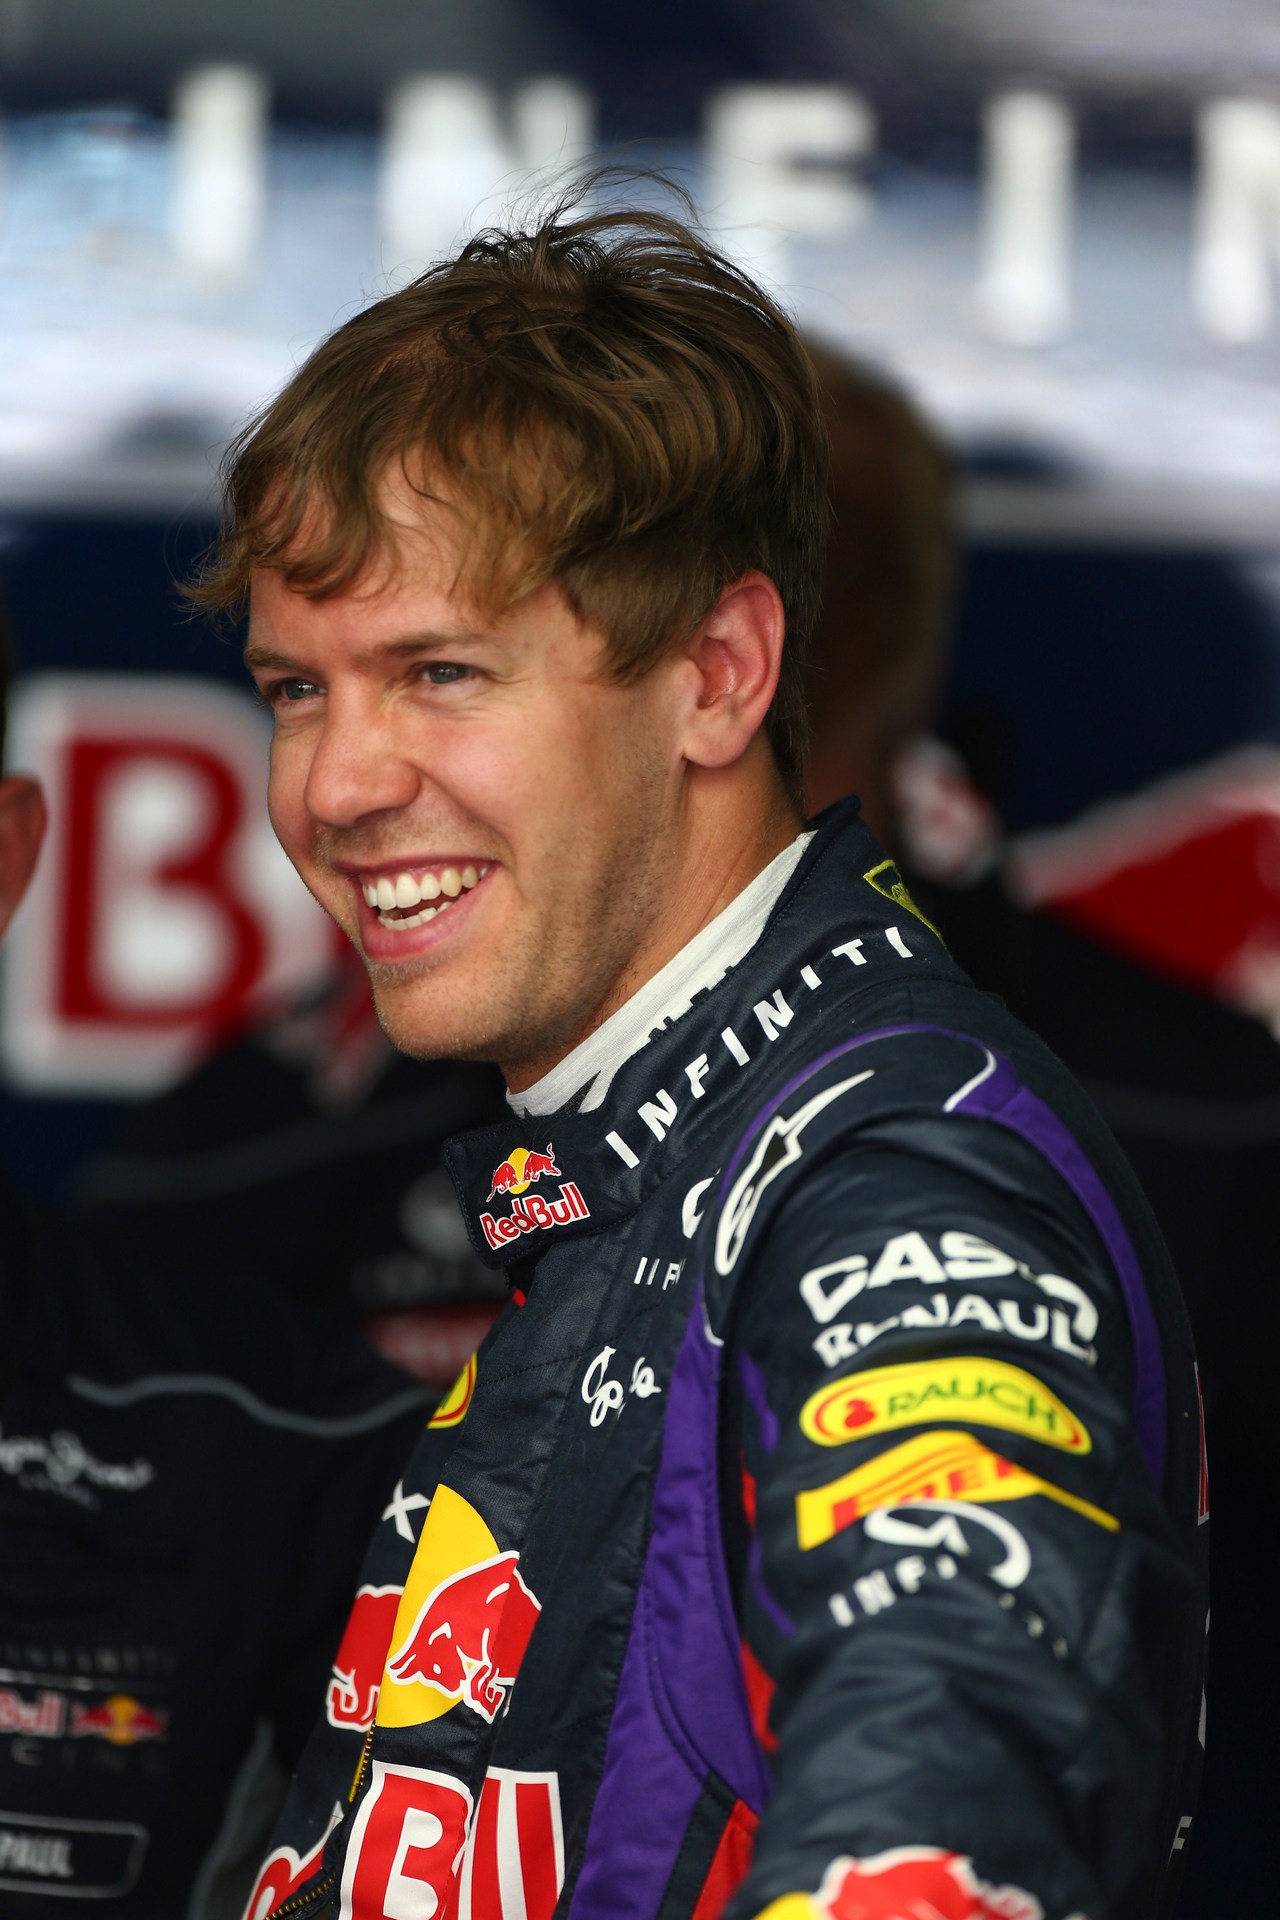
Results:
<point x="988" y="1392"/>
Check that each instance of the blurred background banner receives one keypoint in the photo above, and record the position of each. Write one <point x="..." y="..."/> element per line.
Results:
<point x="1057" y="227"/>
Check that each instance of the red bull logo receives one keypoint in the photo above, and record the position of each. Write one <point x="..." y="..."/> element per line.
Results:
<point x="463" y="1621"/>
<point x="119" y="1719"/>
<point x="518" y="1173"/>
<point x="283" y="1872"/>
<point x="470" y="1637"/>
<point x="514" y="1177"/>
<point x="352" y="1693"/>
<point x="906" y="1880"/>
<point x="419" y="1846"/>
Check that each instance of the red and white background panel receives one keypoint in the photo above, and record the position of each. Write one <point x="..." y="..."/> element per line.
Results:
<point x="163" y="916"/>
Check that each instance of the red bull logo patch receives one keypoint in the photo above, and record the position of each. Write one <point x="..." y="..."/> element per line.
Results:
<point x="283" y="1872"/>
<point x="517" y="1175"/>
<point x="514" y="1177"/>
<point x="352" y="1693"/>
<point x="419" y="1846"/>
<point x="906" y="1880"/>
<point x="462" y="1624"/>
<point x="119" y="1719"/>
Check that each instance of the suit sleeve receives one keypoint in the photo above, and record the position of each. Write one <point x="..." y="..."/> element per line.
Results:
<point x="959" y="1584"/>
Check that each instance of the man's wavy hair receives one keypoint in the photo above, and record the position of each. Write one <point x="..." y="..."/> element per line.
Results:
<point x="607" y="402"/>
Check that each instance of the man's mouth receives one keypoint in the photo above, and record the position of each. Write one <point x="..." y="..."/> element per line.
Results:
<point x="412" y="897"/>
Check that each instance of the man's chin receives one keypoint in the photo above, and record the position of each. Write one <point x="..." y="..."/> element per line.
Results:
<point x="420" y="1022"/>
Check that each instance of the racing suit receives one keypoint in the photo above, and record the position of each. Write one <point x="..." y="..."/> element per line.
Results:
<point x="833" y="1485"/>
<point x="181" y="1469"/>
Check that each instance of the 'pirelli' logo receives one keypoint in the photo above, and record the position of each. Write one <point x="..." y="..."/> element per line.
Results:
<point x="931" y="1466"/>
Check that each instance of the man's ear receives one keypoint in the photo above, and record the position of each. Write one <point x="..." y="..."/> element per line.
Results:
<point x="22" y="823"/>
<point x="736" y="654"/>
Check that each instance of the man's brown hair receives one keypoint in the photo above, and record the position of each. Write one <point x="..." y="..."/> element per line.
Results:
<point x="611" y="403"/>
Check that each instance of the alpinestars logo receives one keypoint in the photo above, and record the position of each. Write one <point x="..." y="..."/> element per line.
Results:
<point x="516" y="1174"/>
<point x="778" y="1147"/>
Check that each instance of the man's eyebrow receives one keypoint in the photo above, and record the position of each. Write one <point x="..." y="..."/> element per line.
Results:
<point x="259" y="658"/>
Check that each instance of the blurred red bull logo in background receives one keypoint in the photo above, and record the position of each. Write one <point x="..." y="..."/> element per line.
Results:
<point x="907" y="1881"/>
<point x="120" y="1719"/>
<point x="463" y="1622"/>
<point x="514" y="1176"/>
<point x="1183" y="877"/>
<point x="162" y="916"/>
<point x="352" y="1693"/>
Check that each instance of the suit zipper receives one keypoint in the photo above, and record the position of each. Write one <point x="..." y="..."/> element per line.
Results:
<point x="300" y="1901"/>
<point x="360" y="1768"/>
<point x="306" y="1898"/>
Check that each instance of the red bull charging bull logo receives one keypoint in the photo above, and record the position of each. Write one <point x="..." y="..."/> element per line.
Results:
<point x="462" y="1624"/>
<point x="352" y="1693"/>
<point x="906" y="1880"/>
<point x="515" y="1176"/>
<point x="120" y="1720"/>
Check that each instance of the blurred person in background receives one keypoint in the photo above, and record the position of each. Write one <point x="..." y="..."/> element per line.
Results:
<point x="643" y="1646"/>
<point x="307" y="1153"/>
<point x="1185" y="1082"/>
<point x="186" y="1473"/>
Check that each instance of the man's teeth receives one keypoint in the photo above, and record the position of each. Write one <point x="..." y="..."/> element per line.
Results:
<point x="387" y="896"/>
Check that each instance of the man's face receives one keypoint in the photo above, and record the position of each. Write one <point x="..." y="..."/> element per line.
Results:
<point x="495" y="824"/>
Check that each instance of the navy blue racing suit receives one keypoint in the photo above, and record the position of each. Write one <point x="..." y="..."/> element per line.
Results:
<point x="820" y="1530"/>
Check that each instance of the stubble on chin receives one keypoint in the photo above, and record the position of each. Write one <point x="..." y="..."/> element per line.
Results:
<point x="421" y="1025"/>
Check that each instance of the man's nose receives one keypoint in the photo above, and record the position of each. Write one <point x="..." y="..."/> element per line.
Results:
<point x="359" y="767"/>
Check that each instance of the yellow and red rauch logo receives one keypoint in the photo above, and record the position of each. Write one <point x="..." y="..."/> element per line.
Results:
<point x="516" y="1174"/>
<point x="463" y="1621"/>
<point x="991" y="1393"/>
<point x="931" y="1466"/>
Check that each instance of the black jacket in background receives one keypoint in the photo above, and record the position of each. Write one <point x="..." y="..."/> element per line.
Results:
<point x="187" y="1473"/>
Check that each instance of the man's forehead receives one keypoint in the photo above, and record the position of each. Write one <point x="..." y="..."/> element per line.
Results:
<point x="401" y="612"/>
<point x="393" y="614"/>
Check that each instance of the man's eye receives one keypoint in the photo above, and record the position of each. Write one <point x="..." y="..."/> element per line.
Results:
<point x="292" y="690"/>
<point x="445" y="673"/>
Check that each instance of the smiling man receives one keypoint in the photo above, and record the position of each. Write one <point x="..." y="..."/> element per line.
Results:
<point x="818" y="1530"/>
<point x="511" y="837"/>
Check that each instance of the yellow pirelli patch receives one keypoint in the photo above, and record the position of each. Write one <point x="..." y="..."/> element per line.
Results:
<point x="970" y="1387"/>
<point x="931" y="1466"/>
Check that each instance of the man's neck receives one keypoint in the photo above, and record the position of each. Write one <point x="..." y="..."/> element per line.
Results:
<point x="581" y="1079"/>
